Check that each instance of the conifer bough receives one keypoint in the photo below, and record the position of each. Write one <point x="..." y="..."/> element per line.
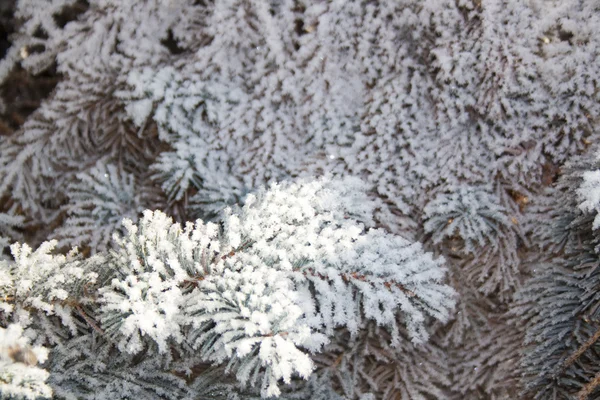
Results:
<point x="465" y="118"/>
<point x="259" y="292"/>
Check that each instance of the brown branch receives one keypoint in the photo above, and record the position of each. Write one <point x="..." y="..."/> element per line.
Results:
<point x="589" y="387"/>
<point x="194" y="280"/>
<point x="243" y="246"/>
<point x="337" y="361"/>
<point x="68" y="302"/>
<point x="363" y="278"/>
<point x="89" y="320"/>
<point x="579" y="352"/>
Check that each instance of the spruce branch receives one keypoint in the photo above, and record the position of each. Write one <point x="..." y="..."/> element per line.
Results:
<point x="258" y="293"/>
<point x="579" y="352"/>
<point x="456" y="113"/>
<point x="352" y="276"/>
<point x="589" y="387"/>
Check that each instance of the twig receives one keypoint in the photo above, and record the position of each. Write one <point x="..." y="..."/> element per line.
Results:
<point x="579" y="352"/>
<point x="89" y="320"/>
<point x="589" y="387"/>
<point x="362" y="278"/>
<point x="194" y="280"/>
<point x="8" y="298"/>
<point x="72" y="303"/>
<point x="337" y="361"/>
<point x="243" y="246"/>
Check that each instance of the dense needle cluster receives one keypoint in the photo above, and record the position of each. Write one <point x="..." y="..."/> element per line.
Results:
<point x="356" y="199"/>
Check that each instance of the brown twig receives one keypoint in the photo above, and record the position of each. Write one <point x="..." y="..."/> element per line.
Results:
<point x="194" y="280"/>
<point x="89" y="320"/>
<point x="243" y="246"/>
<point x="8" y="298"/>
<point x="337" y="361"/>
<point x="362" y="278"/>
<point x="589" y="387"/>
<point x="72" y="303"/>
<point x="579" y="352"/>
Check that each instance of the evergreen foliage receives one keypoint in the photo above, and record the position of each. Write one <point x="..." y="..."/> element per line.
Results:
<point x="260" y="292"/>
<point x="561" y="300"/>
<point x="392" y="199"/>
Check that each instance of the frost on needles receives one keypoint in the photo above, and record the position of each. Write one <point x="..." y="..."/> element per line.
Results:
<point x="257" y="294"/>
